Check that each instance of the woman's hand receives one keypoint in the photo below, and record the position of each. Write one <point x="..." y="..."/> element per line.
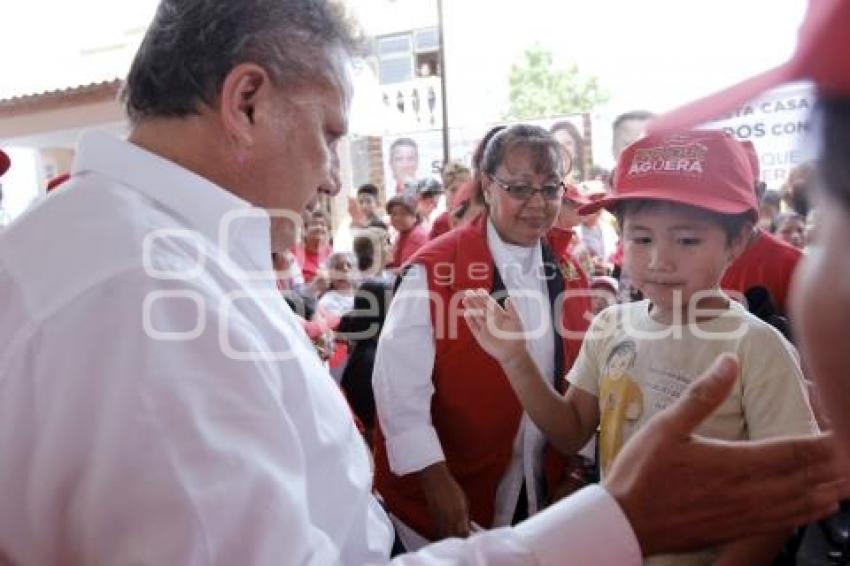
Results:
<point x="447" y="502"/>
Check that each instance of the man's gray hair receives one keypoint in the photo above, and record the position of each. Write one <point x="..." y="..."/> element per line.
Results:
<point x="192" y="45"/>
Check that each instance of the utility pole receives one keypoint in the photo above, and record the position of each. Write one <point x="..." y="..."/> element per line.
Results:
<point x="445" y="105"/>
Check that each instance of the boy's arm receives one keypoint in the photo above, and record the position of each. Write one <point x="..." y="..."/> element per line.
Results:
<point x="753" y="550"/>
<point x="569" y="421"/>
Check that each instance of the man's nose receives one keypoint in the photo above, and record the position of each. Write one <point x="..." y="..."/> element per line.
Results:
<point x="332" y="183"/>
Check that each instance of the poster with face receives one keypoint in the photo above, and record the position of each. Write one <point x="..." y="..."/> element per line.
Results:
<point x="411" y="156"/>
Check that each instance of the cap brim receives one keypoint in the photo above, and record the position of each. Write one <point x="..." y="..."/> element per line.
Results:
<point x="724" y="102"/>
<point x="722" y="206"/>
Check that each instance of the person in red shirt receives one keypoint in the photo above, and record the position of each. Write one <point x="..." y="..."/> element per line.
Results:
<point x="316" y="250"/>
<point x="428" y="192"/>
<point x="763" y="272"/>
<point x="468" y="200"/>
<point x="454" y="174"/>
<point x="767" y="262"/>
<point x="563" y="237"/>
<point x="411" y="234"/>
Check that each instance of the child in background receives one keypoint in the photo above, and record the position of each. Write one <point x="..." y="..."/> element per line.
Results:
<point x="315" y="250"/>
<point x="339" y="298"/>
<point x="791" y="229"/>
<point x="336" y="301"/>
<point x="367" y="209"/>
<point x="411" y="235"/>
<point x="687" y="206"/>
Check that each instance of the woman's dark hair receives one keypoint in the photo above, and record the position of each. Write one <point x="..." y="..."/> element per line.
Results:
<point x="834" y="161"/>
<point x="478" y="154"/>
<point x="192" y="45"/>
<point x="543" y="147"/>
<point x="477" y="158"/>
<point x="364" y="250"/>
<point x="732" y="225"/>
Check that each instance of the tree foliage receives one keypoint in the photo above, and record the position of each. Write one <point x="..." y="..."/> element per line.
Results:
<point x="538" y="89"/>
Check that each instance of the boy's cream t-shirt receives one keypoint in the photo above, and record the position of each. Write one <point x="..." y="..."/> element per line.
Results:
<point x="637" y="367"/>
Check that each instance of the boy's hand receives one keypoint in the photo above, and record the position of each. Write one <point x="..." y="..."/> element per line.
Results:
<point x="498" y="331"/>
<point x="683" y="492"/>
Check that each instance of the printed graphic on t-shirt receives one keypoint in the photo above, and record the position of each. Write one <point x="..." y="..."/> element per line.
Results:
<point x="664" y="386"/>
<point x="620" y="400"/>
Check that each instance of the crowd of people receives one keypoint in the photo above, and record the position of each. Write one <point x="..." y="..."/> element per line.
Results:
<point x="528" y="361"/>
<point x="386" y="237"/>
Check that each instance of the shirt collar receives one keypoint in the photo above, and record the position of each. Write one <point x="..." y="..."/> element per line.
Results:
<point x="504" y="254"/>
<point x="203" y="206"/>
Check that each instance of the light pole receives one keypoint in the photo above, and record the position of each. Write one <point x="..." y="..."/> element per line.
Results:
<point x="445" y="105"/>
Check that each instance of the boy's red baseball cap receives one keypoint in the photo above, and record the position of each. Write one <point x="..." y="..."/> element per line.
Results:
<point x="822" y="56"/>
<point x="703" y="168"/>
<point x="753" y="157"/>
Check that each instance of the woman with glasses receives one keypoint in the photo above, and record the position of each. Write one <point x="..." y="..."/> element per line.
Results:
<point x="454" y="450"/>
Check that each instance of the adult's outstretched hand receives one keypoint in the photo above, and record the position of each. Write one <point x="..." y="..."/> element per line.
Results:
<point x="682" y="492"/>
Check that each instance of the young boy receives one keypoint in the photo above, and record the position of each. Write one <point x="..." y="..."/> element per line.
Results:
<point x="686" y="205"/>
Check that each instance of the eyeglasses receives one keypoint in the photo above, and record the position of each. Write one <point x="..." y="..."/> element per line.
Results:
<point x="520" y="191"/>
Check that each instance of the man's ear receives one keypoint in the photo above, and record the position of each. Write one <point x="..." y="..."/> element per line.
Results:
<point x="244" y="88"/>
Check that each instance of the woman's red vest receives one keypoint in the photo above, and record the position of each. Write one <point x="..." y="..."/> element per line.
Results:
<point x="474" y="410"/>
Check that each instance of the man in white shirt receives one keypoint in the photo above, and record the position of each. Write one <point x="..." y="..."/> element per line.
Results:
<point x="159" y="403"/>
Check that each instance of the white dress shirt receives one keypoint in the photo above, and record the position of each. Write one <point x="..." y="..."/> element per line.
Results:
<point x="160" y="404"/>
